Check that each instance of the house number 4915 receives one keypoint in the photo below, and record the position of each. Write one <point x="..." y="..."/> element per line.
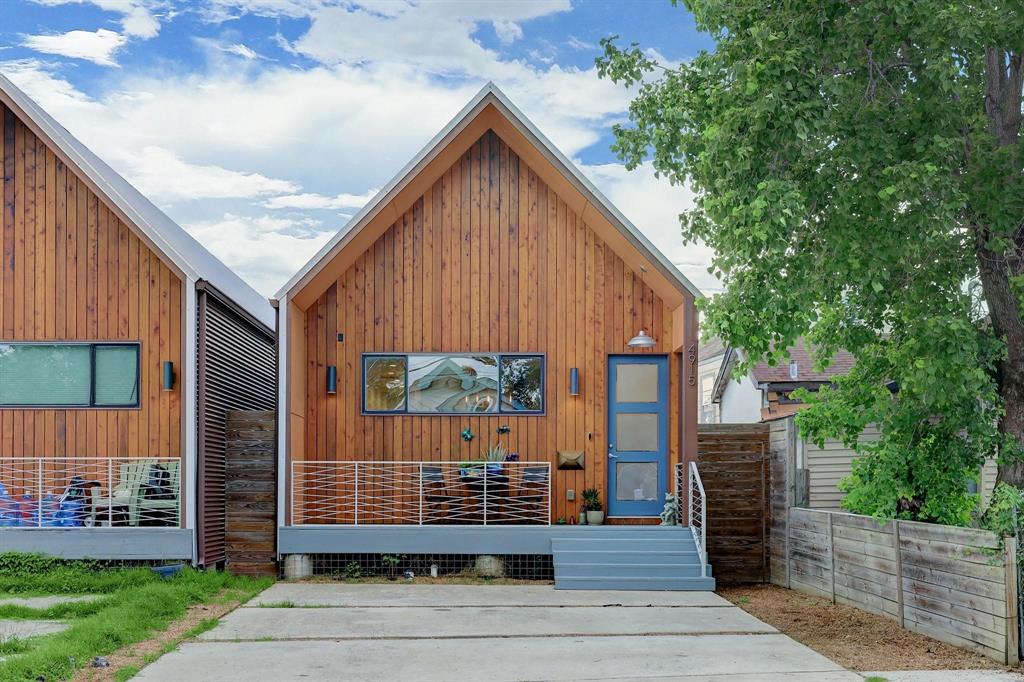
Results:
<point x="691" y="355"/>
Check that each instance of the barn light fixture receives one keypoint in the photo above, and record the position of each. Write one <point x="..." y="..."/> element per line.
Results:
<point x="574" y="381"/>
<point x="642" y="340"/>
<point x="168" y="382"/>
<point x="332" y="379"/>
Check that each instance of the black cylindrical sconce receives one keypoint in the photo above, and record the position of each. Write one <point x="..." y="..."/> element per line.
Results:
<point x="332" y="379"/>
<point x="574" y="381"/>
<point x="168" y="375"/>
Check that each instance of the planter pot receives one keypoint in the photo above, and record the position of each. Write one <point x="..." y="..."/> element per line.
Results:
<point x="583" y="518"/>
<point x="595" y="518"/>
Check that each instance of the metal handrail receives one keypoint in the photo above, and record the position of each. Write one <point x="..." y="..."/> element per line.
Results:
<point x="698" y="503"/>
<point x="368" y="492"/>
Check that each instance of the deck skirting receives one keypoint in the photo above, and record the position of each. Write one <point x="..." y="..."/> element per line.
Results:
<point x="381" y="539"/>
<point x="124" y="544"/>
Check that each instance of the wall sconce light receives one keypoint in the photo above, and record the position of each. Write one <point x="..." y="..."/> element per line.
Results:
<point x="642" y="340"/>
<point x="574" y="381"/>
<point x="168" y="381"/>
<point x="332" y="379"/>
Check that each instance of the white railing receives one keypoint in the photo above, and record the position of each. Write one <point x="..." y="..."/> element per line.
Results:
<point x="419" y="493"/>
<point x="697" y="506"/>
<point x="82" y="492"/>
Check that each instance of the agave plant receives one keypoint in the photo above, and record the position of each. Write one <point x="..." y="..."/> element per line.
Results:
<point x="495" y="453"/>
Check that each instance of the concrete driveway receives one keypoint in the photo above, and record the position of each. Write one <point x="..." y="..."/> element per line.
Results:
<point x="329" y="631"/>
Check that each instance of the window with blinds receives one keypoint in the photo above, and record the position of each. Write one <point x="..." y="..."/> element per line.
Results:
<point x="69" y="374"/>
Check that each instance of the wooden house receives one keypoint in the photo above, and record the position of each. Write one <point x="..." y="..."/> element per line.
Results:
<point x="484" y="341"/>
<point x="122" y="344"/>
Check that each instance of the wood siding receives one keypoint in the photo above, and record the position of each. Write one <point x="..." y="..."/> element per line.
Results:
<point x="488" y="259"/>
<point x="73" y="272"/>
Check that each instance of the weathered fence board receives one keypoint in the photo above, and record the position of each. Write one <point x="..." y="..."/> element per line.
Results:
<point x="251" y="526"/>
<point x="954" y="584"/>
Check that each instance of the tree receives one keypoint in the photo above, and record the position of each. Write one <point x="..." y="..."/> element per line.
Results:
<point x="858" y="173"/>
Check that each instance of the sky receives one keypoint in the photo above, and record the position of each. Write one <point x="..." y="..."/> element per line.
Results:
<point x="262" y="126"/>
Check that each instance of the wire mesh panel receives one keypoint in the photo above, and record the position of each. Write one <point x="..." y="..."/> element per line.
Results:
<point x="417" y="493"/>
<point x="526" y="567"/>
<point x="46" y="492"/>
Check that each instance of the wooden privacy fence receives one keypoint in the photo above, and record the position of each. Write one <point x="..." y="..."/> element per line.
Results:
<point x="957" y="585"/>
<point x="733" y="464"/>
<point x="251" y="500"/>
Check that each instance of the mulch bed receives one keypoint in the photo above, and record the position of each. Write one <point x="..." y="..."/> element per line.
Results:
<point x="854" y="639"/>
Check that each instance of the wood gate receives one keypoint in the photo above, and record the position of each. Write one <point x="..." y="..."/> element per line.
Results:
<point x="733" y="464"/>
<point x="251" y="521"/>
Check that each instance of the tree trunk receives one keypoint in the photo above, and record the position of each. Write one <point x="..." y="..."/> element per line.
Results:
<point x="1004" y="77"/>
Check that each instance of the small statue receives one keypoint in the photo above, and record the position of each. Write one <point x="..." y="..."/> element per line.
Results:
<point x="670" y="514"/>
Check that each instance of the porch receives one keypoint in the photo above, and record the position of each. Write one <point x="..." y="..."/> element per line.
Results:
<point x="116" y="508"/>
<point x="499" y="508"/>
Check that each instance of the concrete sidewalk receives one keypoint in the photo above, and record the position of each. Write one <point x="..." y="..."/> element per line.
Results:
<point x="455" y="632"/>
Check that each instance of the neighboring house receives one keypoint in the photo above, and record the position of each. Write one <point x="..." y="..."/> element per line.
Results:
<point x="765" y="393"/>
<point x="710" y="361"/>
<point x="487" y="295"/>
<point x="122" y="344"/>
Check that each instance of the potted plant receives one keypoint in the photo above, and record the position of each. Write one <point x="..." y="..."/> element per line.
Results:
<point x="592" y="503"/>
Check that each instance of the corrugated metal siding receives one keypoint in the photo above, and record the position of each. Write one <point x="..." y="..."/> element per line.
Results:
<point x="236" y="372"/>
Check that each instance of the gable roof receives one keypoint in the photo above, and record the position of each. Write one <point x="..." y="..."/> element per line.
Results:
<point x="165" y="236"/>
<point x="712" y="348"/>
<point x="840" y="365"/>
<point x="490" y="96"/>
<point x="763" y="374"/>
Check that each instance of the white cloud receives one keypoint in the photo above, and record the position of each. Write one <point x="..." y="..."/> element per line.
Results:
<point x="653" y="205"/>
<point x="577" y="44"/>
<point x="508" y="31"/>
<point x="95" y="46"/>
<point x="437" y="36"/>
<point x="243" y="51"/>
<point x="163" y="176"/>
<point x="319" y="201"/>
<point x="137" y="20"/>
<point x="264" y="250"/>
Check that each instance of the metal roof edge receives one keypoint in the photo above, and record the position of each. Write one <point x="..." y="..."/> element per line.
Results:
<point x="141" y="212"/>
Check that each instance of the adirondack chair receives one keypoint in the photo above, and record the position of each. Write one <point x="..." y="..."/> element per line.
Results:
<point x="159" y="505"/>
<point x="121" y="505"/>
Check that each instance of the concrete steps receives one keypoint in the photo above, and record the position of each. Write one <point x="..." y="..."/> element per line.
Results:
<point x="629" y="558"/>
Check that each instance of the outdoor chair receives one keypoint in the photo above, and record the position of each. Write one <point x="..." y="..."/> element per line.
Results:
<point x="127" y="503"/>
<point x="437" y="496"/>
<point x="531" y="500"/>
<point x="159" y="503"/>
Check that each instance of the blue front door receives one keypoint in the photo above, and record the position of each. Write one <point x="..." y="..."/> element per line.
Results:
<point x="637" y="434"/>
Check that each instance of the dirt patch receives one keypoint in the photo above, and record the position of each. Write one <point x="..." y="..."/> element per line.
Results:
<point x="143" y="653"/>
<point x="852" y="638"/>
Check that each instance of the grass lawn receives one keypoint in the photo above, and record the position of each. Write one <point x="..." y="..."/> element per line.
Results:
<point x="136" y="603"/>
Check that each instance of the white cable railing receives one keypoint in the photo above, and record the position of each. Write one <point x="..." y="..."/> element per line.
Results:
<point x="90" y="492"/>
<point x="698" y="503"/>
<point x="691" y="488"/>
<point x="420" y="493"/>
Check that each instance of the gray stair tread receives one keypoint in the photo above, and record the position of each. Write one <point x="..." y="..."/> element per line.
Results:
<point x="649" y="557"/>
